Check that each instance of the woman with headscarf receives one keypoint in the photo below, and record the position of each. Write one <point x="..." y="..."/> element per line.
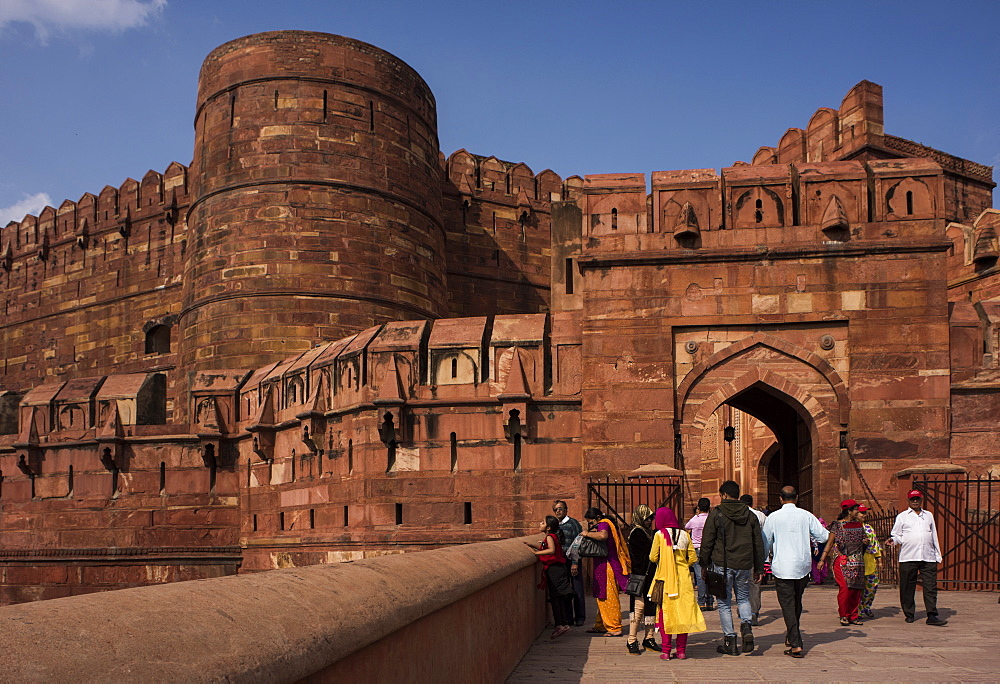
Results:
<point x="818" y="576"/>
<point x="674" y="554"/>
<point x="640" y="542"/>
<point x="848" y="537"/>
<point x="872" y="554"/>
<point x="610" y="573"/>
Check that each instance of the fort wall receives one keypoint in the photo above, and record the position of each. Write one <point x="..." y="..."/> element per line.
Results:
<point x="316" y="209"/>
<point x="324" y="341"/>
<point x="93" y="287"/>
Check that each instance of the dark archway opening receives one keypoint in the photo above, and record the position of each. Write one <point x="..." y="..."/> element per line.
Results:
<point x="789" y="462"/>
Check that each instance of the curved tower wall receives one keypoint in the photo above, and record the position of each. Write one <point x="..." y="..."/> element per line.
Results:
<point x="316" y="199"/>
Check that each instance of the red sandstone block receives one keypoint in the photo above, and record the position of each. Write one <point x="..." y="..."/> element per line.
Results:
<point x="36" y="574"/>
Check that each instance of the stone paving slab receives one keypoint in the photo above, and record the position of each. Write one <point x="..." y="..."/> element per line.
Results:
<point x="884" y="649"/>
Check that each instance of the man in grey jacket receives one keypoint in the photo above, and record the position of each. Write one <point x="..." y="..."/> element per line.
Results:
<point x="732" y="545"/>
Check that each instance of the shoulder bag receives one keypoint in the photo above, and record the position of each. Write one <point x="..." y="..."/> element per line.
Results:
<point x="715" y="582"/>
<point x="593" y="548"/>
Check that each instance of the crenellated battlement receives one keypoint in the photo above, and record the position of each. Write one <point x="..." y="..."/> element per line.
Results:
<point x="116" y="258"/>
<point x="829" y="205"/>
<point x="158" y="196"/>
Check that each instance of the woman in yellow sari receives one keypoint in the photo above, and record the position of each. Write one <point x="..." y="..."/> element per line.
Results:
<point x="610" y="573"/>
<point x="679" y="613"/>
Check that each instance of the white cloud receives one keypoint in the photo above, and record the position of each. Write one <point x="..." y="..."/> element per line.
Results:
<point x="32" y="204"/>
<point x="94" y="15"/>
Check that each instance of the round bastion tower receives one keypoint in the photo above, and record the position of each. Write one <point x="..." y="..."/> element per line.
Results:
<point x="316" y="199"/>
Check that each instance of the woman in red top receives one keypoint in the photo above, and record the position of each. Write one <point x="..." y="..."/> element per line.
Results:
<point x="555" y="575"/>
<point x="849" y="539"/>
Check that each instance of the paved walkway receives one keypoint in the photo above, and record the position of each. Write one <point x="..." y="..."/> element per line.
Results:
<point x="883" y="649"/>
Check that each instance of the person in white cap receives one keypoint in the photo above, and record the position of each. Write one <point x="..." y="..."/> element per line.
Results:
<point x="919" y="553"/>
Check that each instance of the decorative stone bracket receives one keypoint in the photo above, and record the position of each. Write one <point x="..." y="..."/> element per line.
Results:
<point x="314" y="418"/>
<point x="514" y="400"/>
<point x="263" y="429"/>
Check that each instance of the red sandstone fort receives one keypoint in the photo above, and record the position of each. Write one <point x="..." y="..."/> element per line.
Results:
<point x="324" y="340"/>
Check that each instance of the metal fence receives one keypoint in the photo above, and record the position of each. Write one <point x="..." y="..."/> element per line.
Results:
<point x="967" y="514"/>
<point x="888" y="565"/>
<point x="619" y="495"/>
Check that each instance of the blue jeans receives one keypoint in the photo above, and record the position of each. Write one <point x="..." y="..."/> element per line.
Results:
<point x="737" y="581"/>
<point x="704" y="598"/>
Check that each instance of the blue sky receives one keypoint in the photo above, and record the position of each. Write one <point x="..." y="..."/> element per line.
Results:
<point x="95" y="91"/>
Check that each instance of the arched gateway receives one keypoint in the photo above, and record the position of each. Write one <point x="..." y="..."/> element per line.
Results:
<point x="796" y="414"/>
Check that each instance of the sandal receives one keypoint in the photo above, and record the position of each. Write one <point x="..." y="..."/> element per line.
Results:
<point x="610" y="635"/>
<point x="794" y="654"/>
<point x="845" y="622"/>
<point x="559" y="632"/>
<point x="594" y="630"/>
<point x="857" y="622"/>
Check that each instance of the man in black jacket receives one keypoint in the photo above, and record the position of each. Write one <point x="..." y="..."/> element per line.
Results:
<point x="732" y="545"/>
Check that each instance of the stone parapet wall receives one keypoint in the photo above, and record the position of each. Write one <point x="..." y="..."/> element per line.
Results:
<point x="82" y="285"/>
<point x="395" y="618"/>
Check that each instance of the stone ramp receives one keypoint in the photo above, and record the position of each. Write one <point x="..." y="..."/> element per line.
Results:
<point x="883" y="649"/>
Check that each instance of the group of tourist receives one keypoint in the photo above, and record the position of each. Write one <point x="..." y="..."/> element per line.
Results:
<point x="672" y="572"/>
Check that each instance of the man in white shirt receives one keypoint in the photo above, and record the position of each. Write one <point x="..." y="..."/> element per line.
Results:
<point x="919" y="553"/>
<point x="787" y="533"/>
<point x="754" y="586"/>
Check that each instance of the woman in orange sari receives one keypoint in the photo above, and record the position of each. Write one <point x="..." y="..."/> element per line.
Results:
<point x="610" y="573"/>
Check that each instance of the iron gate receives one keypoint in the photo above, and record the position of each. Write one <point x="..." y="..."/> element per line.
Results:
<point x="618" y="496"/>
<point x="967" y="514"/>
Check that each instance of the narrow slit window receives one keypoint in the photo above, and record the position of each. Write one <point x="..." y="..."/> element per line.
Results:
<point x="909" y="202"/>
<point x="281" y="520"/>
<point x="454" y="451"/>
<point x="454" y="368"/>
<point x="614" y="218"/>
<point x="212" y="467"/>
<point x="569" y="276"/>
<point x="325" y="105"/>
<point x="69" y="483"/>
<point x="517" y="453"/>
<point x="312" y="518"/>
<point x="275" y="99"/>
<point x="758" y="214"/>
<point x="371" y="116"/>
<point x="390" y="461"/>
<point x="254" y="522"/>
<point x="509" y="185"/>
<point x="163" y="478"/>
<point x="468" y="512"/>
<point x="232" y="110"/>
<point x="346" y="516"/>
<point x="399" y="514"/>
<point x="350" y="457"/>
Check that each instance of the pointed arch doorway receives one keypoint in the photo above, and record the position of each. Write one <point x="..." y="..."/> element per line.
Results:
<point x="761" y="438"/>
<point x="790" y="409"/>
<point x="788" y="460"/>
